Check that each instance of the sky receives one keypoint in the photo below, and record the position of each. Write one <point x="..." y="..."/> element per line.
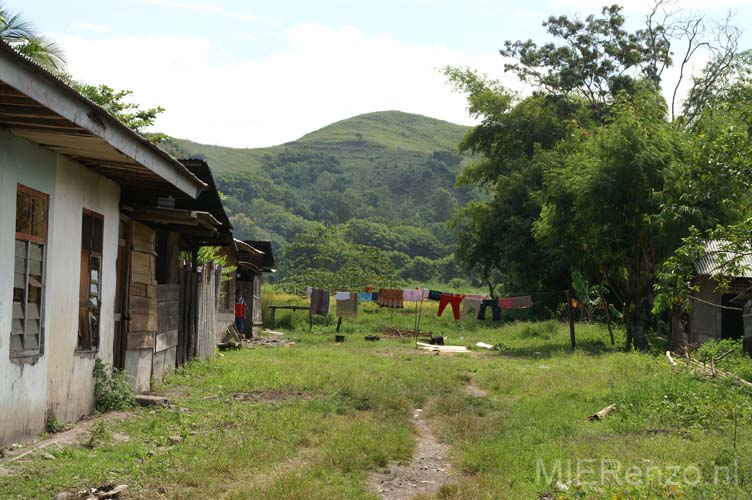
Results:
<point x="259" y="73"/>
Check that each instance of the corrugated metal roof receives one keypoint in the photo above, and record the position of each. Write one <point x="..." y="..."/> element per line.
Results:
<point x="717" y="254"/>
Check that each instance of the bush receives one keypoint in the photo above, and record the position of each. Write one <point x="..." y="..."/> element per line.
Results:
<point x="111" y="389"/>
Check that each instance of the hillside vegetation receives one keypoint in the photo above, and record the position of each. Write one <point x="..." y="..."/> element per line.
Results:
<point x="387" y="179"/>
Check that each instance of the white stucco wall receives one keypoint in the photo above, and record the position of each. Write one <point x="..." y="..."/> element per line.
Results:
<point x="70" y="388"/>
<point x="59" y="379"/>
<point x="23" y="387"/>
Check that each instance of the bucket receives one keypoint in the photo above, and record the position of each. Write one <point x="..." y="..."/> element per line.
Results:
<point x="339" y="338"/>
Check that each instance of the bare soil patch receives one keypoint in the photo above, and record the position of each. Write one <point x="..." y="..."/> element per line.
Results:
<point x="475" y="390"/>
<point x="271" y="395"/>
<point x="425" y="475"/>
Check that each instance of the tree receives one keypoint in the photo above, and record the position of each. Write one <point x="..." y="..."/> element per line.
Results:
<point x="20" y="34"/>
<point x="117" y="104"/>
<point x="593" y="164"/>
<point x="325" y="258"/>
<point x="479" y="249"/>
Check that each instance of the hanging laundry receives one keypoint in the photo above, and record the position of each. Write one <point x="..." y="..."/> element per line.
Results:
<point x="453" y="300"/>
<point x="375" y="297"/>
<point x="320" y="301"/>
<point x="424" y="293"/>
<point x="507" y="303"/>
<point x="434" y="295"/>
<point x="523" y="302"/>
<point x="366" y="296"/>
<point x="308" y="291"/>
<point x="391" y="297"/>
<point x="347" y="307"/>
<point x="481" y="296"/>
<point x="412" y="295"/>
<point x="495" y="309"/>
<point x="470" y="308"/>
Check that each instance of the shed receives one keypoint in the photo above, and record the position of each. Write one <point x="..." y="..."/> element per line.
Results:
<point x="714" y="315"/>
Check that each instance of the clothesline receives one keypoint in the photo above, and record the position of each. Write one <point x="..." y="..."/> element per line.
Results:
<point x="715" y="305"/>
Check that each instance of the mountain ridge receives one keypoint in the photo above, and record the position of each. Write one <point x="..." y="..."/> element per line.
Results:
<point x="388" y="178"/>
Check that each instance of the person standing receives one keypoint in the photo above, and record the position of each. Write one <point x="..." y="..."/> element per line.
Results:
<point x="240" y="312"/>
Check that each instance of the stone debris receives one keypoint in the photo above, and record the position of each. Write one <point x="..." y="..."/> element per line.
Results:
<point x="267" y="342"/>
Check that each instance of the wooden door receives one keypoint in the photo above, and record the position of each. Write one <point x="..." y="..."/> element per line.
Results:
<point x="121" y="294"/>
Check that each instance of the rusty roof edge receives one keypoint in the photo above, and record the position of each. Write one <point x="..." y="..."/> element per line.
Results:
<point x="19" y="71"/>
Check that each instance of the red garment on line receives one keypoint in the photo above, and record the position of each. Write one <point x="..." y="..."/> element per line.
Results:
<point x="506" y="303"/>
<point x="454" y="300"/>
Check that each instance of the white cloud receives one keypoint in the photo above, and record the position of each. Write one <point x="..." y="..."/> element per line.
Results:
<point x="320" y="75"/>
<point x="216" y="10"/>
<point x="96" y="28"/>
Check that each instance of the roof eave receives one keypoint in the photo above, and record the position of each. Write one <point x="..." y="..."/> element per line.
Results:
<point x="54" y="94"/>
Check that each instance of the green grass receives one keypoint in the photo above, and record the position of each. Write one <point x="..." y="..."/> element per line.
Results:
<point x="355" y="418"/>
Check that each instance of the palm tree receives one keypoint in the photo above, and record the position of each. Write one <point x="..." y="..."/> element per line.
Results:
<point x="19" y="33"/>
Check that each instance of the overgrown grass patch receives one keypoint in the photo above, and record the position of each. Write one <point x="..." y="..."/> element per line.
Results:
<point x="356" y="418"/>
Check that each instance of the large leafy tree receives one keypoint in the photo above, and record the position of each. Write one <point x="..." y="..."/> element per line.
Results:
<point x="594" y="168"/>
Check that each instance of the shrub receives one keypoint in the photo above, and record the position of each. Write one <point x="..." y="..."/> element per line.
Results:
<point x="111" y="389"/>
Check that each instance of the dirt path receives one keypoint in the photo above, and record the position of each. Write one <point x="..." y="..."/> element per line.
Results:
<point x="475" y="390"/>
<point x="425" y="475"/>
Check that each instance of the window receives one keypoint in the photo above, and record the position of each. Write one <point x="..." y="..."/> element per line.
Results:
<point x="28" y="275"/>
<point x="90" y="289"/>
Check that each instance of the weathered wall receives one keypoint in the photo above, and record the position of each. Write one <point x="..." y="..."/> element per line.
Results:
<point x="705" y="320"/>
<point x="23" y="387"/>
<point x="71" y="387"/>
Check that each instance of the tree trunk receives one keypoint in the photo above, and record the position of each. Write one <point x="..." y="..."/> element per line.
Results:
<point x="636" y="318"/>
<point x="678" y="336"/>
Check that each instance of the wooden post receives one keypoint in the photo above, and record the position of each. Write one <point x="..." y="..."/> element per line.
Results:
<point x="274" y="313"/>
<point x="572" y="340"/>
<point x="310" y="321"/>
<point x="339" y="323"/>
<point x="608" y="320"/>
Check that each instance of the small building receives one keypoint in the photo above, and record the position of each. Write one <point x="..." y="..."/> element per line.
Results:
<point x="65" y="167"/>
<point x="714" y="315"/>
<point x="254" y="258"/>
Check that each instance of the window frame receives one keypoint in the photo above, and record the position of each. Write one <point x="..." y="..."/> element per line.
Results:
<point x="28" y="239"/>
<point x="94" y="336"/>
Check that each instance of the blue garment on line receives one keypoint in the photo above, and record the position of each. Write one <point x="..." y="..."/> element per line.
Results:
<point x="366" y="296"/>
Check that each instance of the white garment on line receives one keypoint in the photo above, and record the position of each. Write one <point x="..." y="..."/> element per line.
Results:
<point x="342" y="296"/>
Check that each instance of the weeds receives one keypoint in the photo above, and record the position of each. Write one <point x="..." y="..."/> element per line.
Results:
<point x="111" y="389"/>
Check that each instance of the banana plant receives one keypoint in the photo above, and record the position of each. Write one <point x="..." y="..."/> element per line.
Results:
<point x="590" y="296"/>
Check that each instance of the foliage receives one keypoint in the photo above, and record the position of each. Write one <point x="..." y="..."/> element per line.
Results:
<point x="594" y="164"/>
<point x="117" y="103"/>
<point x="326" y="258"/>
<point x="21" y="35"/>
<point x="590" y="296"/>
<point x="211" y="254"/>
<point x="112" y="391"/>
<point x="596" y="57"/>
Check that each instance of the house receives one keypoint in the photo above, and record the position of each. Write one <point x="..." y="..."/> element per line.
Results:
<point x="66" y="168"/>
<point x="714" y="315"/>
<point x="171" y="304"/>
<point x="254" y="258"/>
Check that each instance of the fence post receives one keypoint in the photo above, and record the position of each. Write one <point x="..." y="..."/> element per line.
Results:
<point x="572" y="340"/>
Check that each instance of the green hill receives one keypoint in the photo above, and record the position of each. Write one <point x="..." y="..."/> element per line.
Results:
<point x="388" y="178"/>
